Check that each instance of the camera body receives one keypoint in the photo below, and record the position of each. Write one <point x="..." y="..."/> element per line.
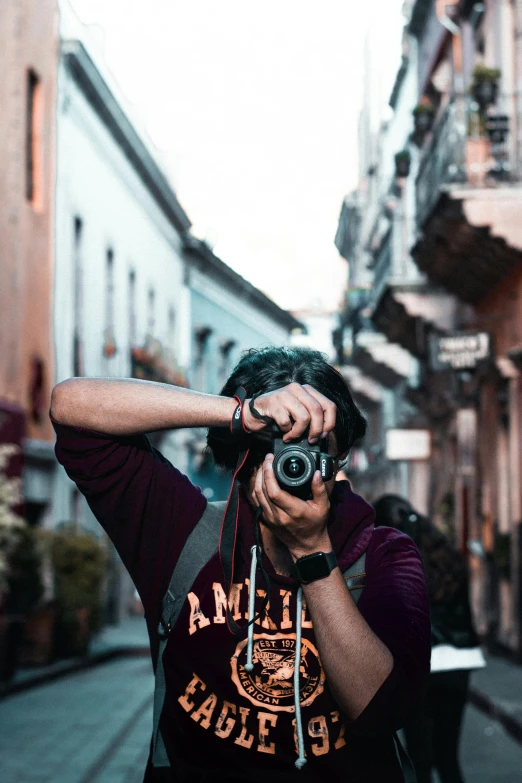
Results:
<point x="295" y="464"/>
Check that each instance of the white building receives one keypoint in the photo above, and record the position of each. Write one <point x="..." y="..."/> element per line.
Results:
<point x="228" y="316"/>
<point x="118" y="240"/>
<point x="134" y="294"/>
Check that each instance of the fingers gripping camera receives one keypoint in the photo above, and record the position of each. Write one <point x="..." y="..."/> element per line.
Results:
<point x="295" y="464"/>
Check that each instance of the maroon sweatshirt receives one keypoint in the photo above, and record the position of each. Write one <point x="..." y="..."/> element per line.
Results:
<point x="221" y="723"/>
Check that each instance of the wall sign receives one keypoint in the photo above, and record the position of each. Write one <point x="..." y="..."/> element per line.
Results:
<point x="459" y="351"/>
<point x="408" y="444"/>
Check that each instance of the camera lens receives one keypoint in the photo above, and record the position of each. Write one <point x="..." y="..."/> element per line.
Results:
<point x="294" y="467"/>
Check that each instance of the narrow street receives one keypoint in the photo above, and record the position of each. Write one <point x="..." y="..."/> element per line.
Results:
<point x="94" y="727"/>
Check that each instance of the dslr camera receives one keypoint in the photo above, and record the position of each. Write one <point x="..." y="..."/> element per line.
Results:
<point x="295" y="464"/>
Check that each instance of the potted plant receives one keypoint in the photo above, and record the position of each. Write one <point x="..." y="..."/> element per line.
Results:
<point x="23" y="590"/>
<point x="109" y="343"/>
<point x="402" y="163"/>
<point x="423" y="116"/>
<point x="484" y="87"/>
<point x="20" y="580"/>
<point x="79" y="562"/>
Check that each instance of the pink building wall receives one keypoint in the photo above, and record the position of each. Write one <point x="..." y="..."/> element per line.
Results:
<point x="28" y="45"/>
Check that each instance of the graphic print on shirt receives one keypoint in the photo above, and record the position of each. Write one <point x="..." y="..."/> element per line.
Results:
<point x="269" y="686"/>
<point x="271" y="683"/>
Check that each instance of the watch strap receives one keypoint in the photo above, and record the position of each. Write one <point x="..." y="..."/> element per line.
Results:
<point x="320" y="563"/>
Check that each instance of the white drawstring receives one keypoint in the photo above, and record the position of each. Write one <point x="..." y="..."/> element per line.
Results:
<point x="249" y="666"/>
<point x="301" y="758"/>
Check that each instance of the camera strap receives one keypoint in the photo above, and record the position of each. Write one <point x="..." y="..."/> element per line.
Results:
<point x="229" y="525"/>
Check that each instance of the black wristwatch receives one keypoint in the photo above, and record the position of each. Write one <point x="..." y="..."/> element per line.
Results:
<point x="310" y="568"/>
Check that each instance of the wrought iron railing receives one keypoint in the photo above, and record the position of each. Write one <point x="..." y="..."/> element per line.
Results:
<point x="444" y="161"/>
<point x="382" y="268"/>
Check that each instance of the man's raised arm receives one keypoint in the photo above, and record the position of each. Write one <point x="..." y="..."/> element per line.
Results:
<point x="129" y="407"/>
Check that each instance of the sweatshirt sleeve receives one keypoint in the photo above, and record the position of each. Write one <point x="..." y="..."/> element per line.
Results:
<point x="145" y="505"/>
<point x="394" y="603"/>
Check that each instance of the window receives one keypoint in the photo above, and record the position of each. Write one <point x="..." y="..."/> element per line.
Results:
<point x="172" y="327"/>
<point x="151" y="315"/>
<point x="132" y="307"/>
<point x="78" y="368"/>
<point x="109" y="347"/>
<point x="33" y="140"/>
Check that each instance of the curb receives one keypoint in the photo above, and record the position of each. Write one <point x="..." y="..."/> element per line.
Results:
<point x="511" y="724"/>
<point x="72" y="666"/>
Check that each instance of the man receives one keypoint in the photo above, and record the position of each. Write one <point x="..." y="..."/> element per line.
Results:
<point x="360" y="668"/>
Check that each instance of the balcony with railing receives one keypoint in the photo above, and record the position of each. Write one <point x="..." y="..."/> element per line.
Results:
<point x="468" y="203"/>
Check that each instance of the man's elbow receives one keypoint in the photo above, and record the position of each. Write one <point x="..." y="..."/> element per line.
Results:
<point x="61" y="401"/>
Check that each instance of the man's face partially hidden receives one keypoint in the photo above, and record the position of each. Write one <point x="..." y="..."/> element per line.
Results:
<point x="332" y="450"/>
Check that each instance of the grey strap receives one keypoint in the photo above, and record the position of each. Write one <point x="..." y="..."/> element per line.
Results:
<point x="408" y="770"/>
<point x="200" y="547"/>
<point x="355" y="577"/>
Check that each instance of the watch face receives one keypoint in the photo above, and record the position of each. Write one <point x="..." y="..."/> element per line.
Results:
<point x="313" y="567"/>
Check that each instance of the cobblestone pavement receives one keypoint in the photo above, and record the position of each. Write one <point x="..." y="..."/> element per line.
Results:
<point x="94" y="727"/>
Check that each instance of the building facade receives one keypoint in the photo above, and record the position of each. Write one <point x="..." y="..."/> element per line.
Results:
<point x="28" y="41"/>
<point x="438" y="233"/>
<point x="227" y="316"/>
<point x="119" y="304"/>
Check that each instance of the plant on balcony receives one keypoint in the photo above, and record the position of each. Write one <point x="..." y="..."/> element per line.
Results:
<point x="109" y="343"/>
<point x="20" y="563"/>
<point x="402" y="163"/>
<point x="484" y="86"/>
<point x="423" y="116"/>
<point x="153" y="362"/>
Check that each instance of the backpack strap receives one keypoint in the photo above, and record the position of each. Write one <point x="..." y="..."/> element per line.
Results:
<point x="200" y="547"/>
<point x="355" y="577"/>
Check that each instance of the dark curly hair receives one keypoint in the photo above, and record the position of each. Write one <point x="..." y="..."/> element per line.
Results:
<point x="444" y="566"/>
<point x="269" y="369"/>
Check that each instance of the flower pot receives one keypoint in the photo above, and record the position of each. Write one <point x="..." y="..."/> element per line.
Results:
<point x="109" y="350"/>
<point x="478" y="155"/>
<point x="39" y="636"/>
<point x="11" y="641"/>
<point x="423" y="122"/>
<point x="402" y="167"/>
<point x="485" y="92"/>
<point x="73" y="633"/>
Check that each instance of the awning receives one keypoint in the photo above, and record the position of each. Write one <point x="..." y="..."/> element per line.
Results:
<point x="387" y="363"/>
<point x="472" y="240"/>
<point x="366" y="392"/>
<point x="408" y="314"/>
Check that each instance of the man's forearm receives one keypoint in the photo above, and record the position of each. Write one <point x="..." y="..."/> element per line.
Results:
<point x="127" y="406"/>
<point x="355" y="661"/>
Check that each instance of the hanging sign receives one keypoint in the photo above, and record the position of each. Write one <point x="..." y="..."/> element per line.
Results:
<point x="459" y="351"/>
<point x="408" y="444"/>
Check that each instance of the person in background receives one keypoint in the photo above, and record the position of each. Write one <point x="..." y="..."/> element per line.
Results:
<point x="433" y="731"/>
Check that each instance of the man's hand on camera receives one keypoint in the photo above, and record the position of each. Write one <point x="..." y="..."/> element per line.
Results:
<point x="294" y="408"/>
<point x="299" y="524"/>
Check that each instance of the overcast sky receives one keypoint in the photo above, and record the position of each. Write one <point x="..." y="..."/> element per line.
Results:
<point x="254" y="109"/>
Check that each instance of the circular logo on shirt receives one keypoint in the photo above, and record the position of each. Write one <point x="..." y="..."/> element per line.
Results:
<point x="271" y="682"/>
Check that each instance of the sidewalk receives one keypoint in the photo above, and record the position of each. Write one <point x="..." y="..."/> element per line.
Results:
<point x="129" y="638"/>
<point x="497" y="691"/>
